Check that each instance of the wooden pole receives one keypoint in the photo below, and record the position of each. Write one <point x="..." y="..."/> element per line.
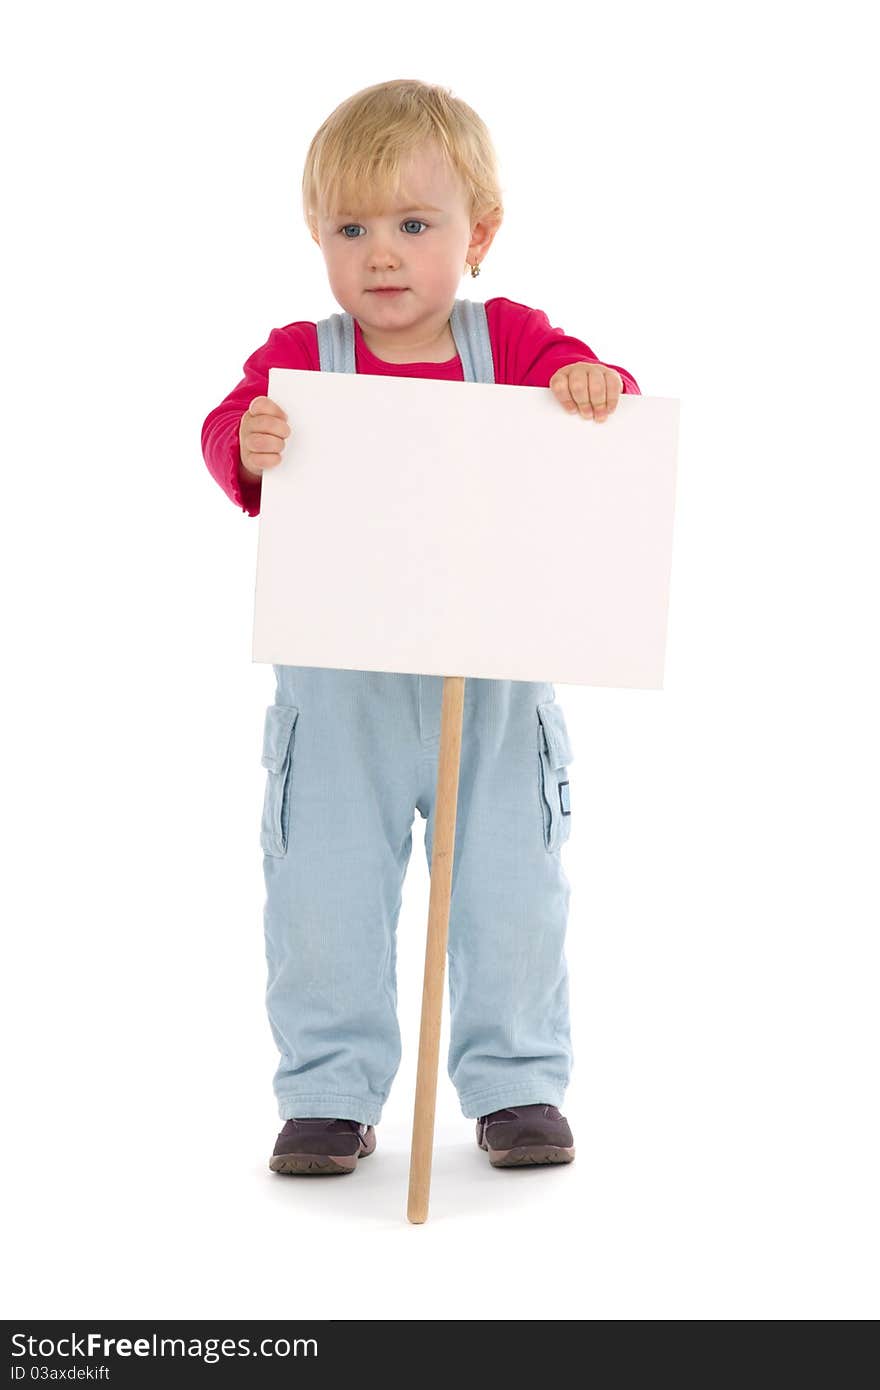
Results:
<point x="442" y="855"/>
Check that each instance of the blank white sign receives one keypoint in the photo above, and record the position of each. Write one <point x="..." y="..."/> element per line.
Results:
<point x="465" y="529"/>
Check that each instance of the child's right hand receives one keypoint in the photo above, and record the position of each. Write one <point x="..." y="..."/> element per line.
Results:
<point x="261" y="436"/>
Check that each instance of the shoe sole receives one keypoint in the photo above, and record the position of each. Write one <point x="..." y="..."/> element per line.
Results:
<point x="527" y="1154"/>
<point x="317" y="1165"/>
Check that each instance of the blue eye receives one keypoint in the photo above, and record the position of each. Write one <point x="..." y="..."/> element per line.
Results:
<point x="410" y="221"/>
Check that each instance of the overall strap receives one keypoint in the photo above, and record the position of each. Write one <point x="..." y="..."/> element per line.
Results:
<point x="470" y="330"/>
<point x="336" y="343"/>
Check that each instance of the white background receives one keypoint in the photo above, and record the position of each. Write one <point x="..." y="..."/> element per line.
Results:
<point x="687" y="189"/>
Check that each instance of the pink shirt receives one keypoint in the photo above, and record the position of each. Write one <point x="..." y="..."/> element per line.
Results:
<point x="526" y="351"/>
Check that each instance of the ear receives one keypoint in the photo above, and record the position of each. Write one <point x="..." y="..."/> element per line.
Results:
<point x="483" y="233"/>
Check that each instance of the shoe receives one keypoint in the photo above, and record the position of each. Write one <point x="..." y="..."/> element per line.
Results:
<point x="318" y="1147"/>
<point x="523" y="1134"/>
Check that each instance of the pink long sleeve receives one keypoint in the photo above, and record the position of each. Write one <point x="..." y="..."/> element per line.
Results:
<point x="285" y="347"/>
<point x="526" y="351"/>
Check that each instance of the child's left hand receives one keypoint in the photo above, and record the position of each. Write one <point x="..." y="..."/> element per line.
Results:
<point x="589" y="387"/>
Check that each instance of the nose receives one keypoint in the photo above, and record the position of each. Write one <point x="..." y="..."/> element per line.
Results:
<point x="383" y="259"/>
<point x="382" y="254"/>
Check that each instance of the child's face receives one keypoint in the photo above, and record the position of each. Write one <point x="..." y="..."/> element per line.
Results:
<point x="421" y="247"/>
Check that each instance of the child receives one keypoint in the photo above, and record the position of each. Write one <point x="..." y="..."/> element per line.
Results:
<point x="400" y="189"/>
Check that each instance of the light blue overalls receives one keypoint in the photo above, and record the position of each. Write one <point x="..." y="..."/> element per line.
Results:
<point x="350" y="757"/>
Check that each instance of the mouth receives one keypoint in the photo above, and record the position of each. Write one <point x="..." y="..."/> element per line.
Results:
<point x="388" y="289"/>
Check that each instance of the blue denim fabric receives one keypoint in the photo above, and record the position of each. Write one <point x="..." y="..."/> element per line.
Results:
<point x="350" y="757"/>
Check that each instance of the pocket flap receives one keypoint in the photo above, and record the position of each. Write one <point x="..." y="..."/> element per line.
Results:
<point x="556" y="734"/>
<point x="280" y="720"/>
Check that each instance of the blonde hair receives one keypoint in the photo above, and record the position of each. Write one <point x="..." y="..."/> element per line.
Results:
<point x="354" y="159"/>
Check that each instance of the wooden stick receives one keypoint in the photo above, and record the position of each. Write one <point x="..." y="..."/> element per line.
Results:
<point x="442" y="855"/>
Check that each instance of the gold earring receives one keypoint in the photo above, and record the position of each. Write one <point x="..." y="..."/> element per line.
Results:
<point x="475" y="270"/>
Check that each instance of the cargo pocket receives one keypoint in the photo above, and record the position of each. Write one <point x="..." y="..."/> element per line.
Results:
<point x="554" y="755"/>
<point x="278" y="741"/>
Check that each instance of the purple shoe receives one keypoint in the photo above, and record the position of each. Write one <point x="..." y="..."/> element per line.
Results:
<point x="524" y="1134"/>
<point x="319" y="1147"/>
